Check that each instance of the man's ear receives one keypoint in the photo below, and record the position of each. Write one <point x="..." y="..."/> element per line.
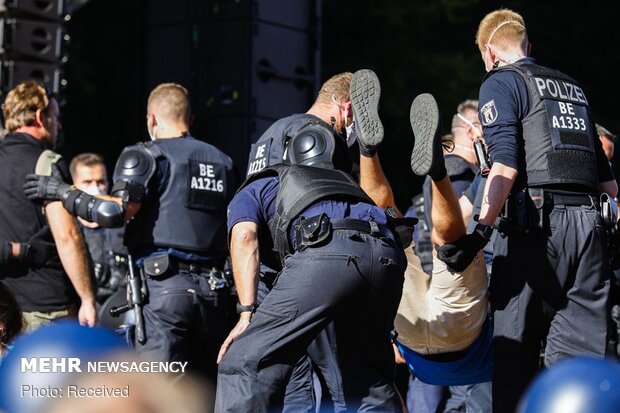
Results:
<point x="529" y="49"/>
<point x="39" y="117"/>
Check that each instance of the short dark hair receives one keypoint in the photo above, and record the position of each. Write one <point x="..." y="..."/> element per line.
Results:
<point x="86" y="159"/>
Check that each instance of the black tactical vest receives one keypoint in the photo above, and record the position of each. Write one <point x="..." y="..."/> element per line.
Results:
<point x="269" y="149"/>
<point x="300" y="187"/>
<point x="190" y="213"/>
<point x="558" y="131"/>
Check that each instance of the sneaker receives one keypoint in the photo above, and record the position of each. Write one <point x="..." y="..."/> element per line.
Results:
<point x="427" y="154"/>
<point x="365" y="91"/>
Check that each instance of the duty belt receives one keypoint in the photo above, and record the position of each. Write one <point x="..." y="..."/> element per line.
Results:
<point x="315" y="231"/>
<point x="571" y="199"/>
<point x="367" y="227"/>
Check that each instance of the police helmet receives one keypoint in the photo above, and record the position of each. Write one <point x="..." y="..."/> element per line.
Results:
<point x="579" y="385"/>
<point x="316" y="145"/>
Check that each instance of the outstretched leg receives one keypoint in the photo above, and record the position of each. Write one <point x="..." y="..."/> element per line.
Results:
<point x="365" y="92"/>
<point x="427" y="159"/>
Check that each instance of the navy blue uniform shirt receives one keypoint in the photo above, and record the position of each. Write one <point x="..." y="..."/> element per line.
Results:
<point x="256" y="203"/>
<point x="509" y="94"/>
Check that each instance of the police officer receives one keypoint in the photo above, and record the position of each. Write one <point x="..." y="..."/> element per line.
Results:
<point x="107" y="252"/>
<point x="45" y="290"/>
<point x="550" y="273"/>
<point x="341" y="262"/>
<point x="175" y="190"/>
<point x="347" y="107"/>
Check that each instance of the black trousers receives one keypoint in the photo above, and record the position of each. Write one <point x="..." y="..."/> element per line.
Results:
<point x="356" y="282"/>
<point x="185" y="321"/>
<point x="550" y="286"/>
<point x="321" y="359"/>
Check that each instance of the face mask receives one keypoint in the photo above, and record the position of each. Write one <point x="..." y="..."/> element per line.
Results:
<point x="93" y="190"/>
<point x="464" y="147"/>
<point x="477" y="129"/>
<point x="351" y="134"/>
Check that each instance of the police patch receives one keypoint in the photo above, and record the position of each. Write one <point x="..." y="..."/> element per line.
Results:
<point x="488" y="113"/>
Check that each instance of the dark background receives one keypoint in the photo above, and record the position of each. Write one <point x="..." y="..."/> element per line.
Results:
<point x="117" y="54"/>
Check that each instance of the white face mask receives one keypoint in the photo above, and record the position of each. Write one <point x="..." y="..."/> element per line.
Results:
<point x="465" y="148"/>
<point x="477" y="129"/>
<point x="351" y="134"/>
<point x="93" y="190"/>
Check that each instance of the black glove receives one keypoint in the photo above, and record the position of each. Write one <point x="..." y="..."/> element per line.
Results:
<point x="461" y="253"/>
<point x="36" y="253"/>
<point x="45" y="188"/>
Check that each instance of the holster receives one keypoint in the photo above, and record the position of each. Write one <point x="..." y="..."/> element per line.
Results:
<point x="312" y="231"/>
<point x="523" y="212"/>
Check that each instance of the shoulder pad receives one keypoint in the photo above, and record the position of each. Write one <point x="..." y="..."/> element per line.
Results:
<point x="135" y="164"/>
<point x="45" y="163"/>
<point x="134" y="168"/>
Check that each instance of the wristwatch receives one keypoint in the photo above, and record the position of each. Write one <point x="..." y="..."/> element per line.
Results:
<point x="246" y="308"/>
<point x="486" y="230"/>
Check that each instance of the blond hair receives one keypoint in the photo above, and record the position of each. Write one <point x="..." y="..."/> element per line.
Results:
<point x="169" y="101"/>
<point x="336" y="88"/>
<point x="21" y="104"/>
<point x="504" y="28"/>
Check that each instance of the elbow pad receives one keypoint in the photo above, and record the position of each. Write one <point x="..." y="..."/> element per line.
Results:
<point x="107" y="214"/>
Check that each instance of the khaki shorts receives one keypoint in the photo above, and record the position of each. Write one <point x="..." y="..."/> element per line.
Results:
<point x="36" y="319"/>
<point x="445" y="312"/>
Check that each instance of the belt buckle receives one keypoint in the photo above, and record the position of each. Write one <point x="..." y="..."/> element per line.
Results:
<point x="374" y="229"/>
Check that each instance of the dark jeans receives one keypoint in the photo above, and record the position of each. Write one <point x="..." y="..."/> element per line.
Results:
<point x="184" y="321"/>
<point x="548" y="285"/>
<point x="356" y="281"/>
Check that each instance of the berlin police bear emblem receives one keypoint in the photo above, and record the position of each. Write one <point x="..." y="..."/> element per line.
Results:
<point x="489" y="113"/>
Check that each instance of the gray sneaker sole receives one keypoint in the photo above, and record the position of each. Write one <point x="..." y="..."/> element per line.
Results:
<point x="424" y="118"/>
<point x="365" y="91"/>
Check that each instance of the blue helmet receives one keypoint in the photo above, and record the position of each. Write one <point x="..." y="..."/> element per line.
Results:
<point x="579" y="385"/>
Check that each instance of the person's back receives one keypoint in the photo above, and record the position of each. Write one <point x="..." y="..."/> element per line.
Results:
<point x="185" y="205"/>
<point x="548" y="175"/>
<point x="324" y="224"/>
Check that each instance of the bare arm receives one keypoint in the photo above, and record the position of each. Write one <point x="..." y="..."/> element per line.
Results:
<point x="466" y="209"/>
<point x="245" y="260"/>
<point x="72" y="254"/>
<point x="498" y="186"/>
<point x="374" y="182"/>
